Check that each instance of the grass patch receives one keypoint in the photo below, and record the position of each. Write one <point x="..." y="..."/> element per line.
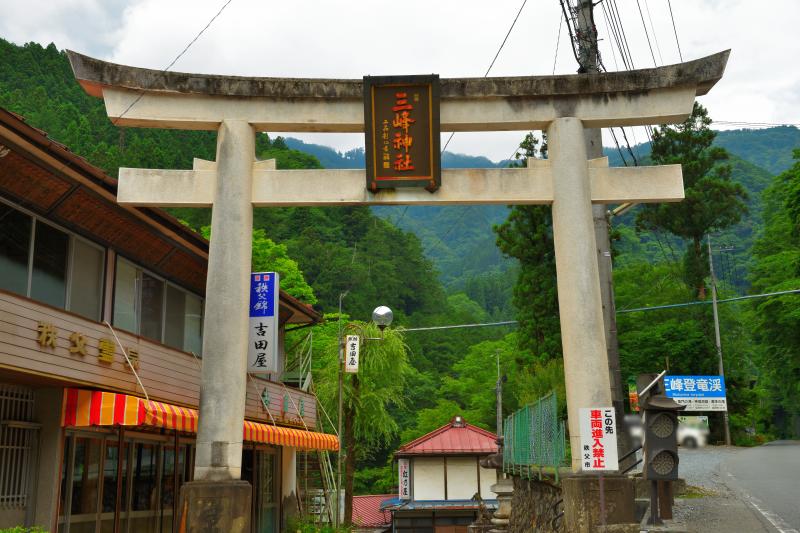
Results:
<point x="693" y="492"/>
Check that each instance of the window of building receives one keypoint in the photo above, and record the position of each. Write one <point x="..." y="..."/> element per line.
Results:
<point x="48" y="264"/>
<point x="134" y="488"/>
<point x="17" y="451"/>
<point x="15" y="242"/>
<point x="149" y="306"/>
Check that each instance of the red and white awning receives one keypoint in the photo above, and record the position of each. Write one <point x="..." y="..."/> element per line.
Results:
<point x="84" y="408"/>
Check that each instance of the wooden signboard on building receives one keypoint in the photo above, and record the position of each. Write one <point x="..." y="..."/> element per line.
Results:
<point x="402" y="132"/>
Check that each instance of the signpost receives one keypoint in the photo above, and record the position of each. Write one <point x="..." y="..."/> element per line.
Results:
<point x="402" y="132"/>
<point x="598" y="439"/>
<point x="404" y="479"/>
<point x="351" y="354"/>
<point x="697" y="393"/>
<point x="262" y="352"/>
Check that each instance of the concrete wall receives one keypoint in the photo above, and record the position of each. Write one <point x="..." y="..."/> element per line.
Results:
<point x="48" y="481"/>
<point x="488" y="478"/>
<point x="427" y="475"/>
<point x="462" y="477"/>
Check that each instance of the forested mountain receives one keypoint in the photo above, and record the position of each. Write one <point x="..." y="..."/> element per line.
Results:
<point x="440" y="265"/>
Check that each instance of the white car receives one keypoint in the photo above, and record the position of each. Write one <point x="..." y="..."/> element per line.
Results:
<point x="692" y="430"/>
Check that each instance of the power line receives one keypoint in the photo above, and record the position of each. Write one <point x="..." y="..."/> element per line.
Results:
<point x="654" y="308"/>
<point x="708" y="302"/>
<point x="558" y="41"/>
<point x="459" y="326"/>
<point x="680" y="54"/>
<point x="165" y="69"/>
<point x="653" y="28"/>
<point x="646" y="33"/>
<point x="496" y="55"/>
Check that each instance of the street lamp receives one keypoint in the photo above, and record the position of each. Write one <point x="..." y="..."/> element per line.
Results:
<point x="382" y="316"/>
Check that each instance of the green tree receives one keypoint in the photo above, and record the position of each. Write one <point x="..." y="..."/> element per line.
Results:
<point x="527" y="235"/>
<point x="271" y="257"/>
<point x="713" y="201"/>
<point x="369" y="396"/>
<point x="776" y="320"/>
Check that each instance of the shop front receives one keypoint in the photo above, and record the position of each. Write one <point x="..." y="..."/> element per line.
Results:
<point x="101" y="327"/>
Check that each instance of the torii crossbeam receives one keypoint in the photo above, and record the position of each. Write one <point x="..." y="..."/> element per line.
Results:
<point x="238" y="107"/>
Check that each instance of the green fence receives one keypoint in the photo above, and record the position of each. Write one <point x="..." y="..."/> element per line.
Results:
<point x="534" y="439"/>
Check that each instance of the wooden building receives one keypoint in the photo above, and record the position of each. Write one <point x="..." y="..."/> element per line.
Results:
<point x="446" y="487"/>
<point x="101" y="316"/>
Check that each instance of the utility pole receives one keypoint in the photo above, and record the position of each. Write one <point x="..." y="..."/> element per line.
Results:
<point x="499" y="391"/>
<point x="716" y="333"/>
<point x="588" y="57"/>
<point x="340" y="455"/>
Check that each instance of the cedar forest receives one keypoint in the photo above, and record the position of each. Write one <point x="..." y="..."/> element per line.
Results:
<point x="458" y="265"/>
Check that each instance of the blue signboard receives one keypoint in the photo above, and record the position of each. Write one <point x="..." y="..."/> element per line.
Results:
<point x="262" y="294"/>
<point x="262" y="353"/>
<point x="697" y="393"/>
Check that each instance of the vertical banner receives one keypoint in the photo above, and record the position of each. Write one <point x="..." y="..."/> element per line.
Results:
<point x="262" y="353"/>
<point x="404" y="479"/>
<point x="351" y="348"/>
<point x="598" y="439"/>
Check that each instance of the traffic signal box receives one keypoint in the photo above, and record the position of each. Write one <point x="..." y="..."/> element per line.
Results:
<point x="660" y="424"/>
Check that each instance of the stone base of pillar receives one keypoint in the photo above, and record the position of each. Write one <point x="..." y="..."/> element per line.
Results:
<point x="215" y="507"/>
<point x="583" y="502"/>
<point x="504" y="489"/>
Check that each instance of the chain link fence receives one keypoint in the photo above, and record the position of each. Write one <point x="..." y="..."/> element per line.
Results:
<point x="534" y="438"/>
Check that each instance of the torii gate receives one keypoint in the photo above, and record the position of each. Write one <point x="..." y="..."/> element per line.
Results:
<point x="238" y="107"/>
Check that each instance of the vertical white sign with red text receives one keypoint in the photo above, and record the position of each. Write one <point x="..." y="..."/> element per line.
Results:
<point x="351" y="348"/>
<point x="404" y="479"/>
<point x="598" y="439"/>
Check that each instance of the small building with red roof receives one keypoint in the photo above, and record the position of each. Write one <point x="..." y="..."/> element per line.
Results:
<point x="443" y="487"/>
<point x="369" y="514"/>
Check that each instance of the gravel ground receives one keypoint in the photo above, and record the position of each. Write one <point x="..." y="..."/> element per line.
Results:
<point x="720" y="508"/>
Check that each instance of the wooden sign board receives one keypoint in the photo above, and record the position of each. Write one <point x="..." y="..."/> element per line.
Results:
<point x="402" y="132"/>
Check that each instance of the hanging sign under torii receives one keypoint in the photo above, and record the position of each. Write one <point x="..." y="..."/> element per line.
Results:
<point x="238" y="107"/>
<point x="401" y="127"/>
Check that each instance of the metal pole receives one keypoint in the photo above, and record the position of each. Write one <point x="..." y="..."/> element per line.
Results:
<point x="499" y="391"/>
<point x="716" y="334"/>
<point x="340" y="455"/>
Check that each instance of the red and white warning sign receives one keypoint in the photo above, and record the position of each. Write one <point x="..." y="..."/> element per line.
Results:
<point x="598" y="439"/>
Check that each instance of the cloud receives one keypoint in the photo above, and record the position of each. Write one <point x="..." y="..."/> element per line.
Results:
<point x="351" y="38"/>
<point x="88" y="25"/>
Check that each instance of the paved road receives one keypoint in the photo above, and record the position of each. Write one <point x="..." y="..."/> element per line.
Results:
<point x="769" y="477"/>
<point x="722" y="510"/>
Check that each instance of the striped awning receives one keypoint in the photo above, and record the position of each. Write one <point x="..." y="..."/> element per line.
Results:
<point x="293" y="438"/>
<point x="84" y="408"/>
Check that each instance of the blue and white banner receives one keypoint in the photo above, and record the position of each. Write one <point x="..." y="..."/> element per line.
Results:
<point x="262" y="354"/>
<point x="697" y="393"/>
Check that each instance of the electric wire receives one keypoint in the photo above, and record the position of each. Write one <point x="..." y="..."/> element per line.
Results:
<point x="558" y="41"/>
<point x="165" y="69"/>
<point x="675" y="29"/>
<point x="653" y="29"/>
<point x="494" y="59"/>
<point x="646" y="33"/>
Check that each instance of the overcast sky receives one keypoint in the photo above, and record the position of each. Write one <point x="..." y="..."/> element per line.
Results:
<point x="352" y="38"/>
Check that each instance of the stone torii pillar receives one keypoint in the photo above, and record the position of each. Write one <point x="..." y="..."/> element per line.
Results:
<point x="237" y="107"/>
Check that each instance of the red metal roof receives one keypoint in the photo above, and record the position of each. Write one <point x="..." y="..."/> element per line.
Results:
<point x="457" y="437"/>
<point x="367" y="511"/>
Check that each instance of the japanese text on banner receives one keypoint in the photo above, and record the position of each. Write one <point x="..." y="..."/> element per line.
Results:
<point x="262" y="354"/>
<point x="598" y="439"/>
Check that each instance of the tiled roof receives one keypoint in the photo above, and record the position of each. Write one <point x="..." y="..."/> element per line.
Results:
<point x="452" y="505"/>
<point x="367" y="510"/>
<point x="457" y="437"/>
